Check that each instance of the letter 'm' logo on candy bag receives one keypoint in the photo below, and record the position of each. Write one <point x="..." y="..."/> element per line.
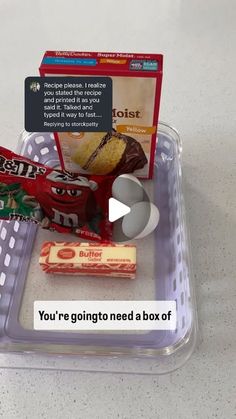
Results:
<point x="20" y="168"/>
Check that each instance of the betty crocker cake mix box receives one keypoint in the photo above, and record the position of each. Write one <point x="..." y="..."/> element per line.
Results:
<point x="130" y="146"/>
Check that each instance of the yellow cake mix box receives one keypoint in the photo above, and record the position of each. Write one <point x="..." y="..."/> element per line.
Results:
<point x="130" y="146"/>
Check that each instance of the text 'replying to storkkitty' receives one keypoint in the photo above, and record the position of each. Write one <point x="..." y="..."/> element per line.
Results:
<point x="104" y="315"/>
<point x="73" y="104"/>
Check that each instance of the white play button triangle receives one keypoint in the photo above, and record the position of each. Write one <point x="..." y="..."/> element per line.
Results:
<point x="117" y="209"/>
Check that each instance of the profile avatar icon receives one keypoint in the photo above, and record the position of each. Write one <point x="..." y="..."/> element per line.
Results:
<point x="34" y="86"/>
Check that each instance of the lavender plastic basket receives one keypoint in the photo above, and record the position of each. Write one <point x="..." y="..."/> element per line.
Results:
<point x="155" y="351"/>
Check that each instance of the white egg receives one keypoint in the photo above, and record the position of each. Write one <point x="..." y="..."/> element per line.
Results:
<point x="141" y="221"/>
<point x="127" y="189"/>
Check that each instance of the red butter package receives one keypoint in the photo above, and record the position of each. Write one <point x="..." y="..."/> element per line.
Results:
<point x="54" y="199"/>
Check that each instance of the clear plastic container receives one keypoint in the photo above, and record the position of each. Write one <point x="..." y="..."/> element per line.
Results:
<point x="163" y="273"/>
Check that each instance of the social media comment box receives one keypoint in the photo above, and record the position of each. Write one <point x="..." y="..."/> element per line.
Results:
<point x="65" y="104"/>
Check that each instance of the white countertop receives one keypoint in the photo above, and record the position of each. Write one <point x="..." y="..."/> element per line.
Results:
<point x="198" y="40"/>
